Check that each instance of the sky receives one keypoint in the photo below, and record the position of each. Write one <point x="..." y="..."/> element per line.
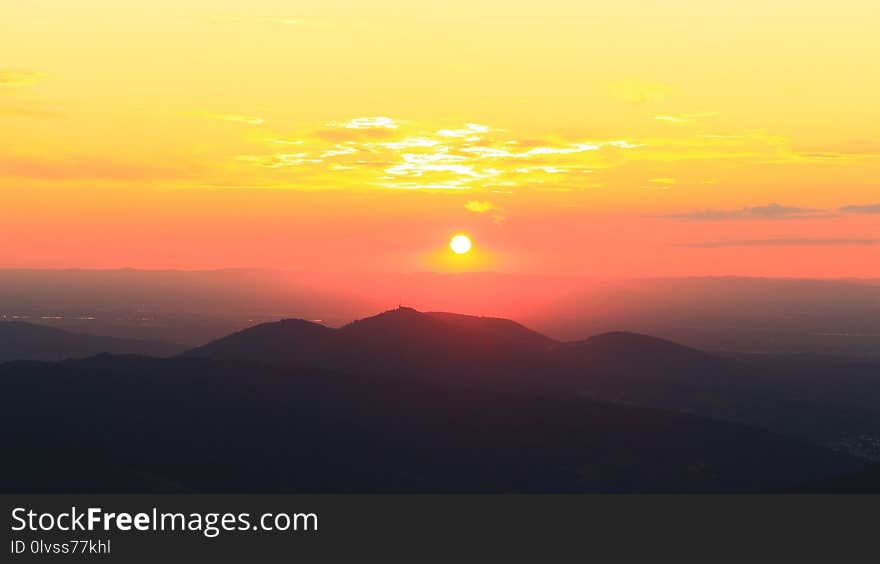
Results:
<point x="568" y="138"/>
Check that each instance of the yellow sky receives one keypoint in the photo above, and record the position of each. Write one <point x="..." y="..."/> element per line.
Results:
<point x="718" y="122"/>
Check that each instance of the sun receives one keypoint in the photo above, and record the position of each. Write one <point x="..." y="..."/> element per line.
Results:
<point x="460" y="244"/>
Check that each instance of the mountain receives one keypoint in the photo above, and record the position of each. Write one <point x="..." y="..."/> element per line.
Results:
<point x="404" y="340"/>
<point x="27" y="341"/>
<point x="407" y="333"/>
<point x="275" y="342"/>
<point x="613" y="346"/>
<point x="825" y="401"/>
<point x="646" y="370"/>
<point x="398" y="341"/>
<point x="133" y="424"/>
<point x="406" y="401"/>
<point x="506" y="329"/>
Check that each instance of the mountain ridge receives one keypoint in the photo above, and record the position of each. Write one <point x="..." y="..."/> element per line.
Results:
<point x="20" y="340"/>
<point x="214" y="426"/>
<point x="622" y="367"/>
<point x="403" y="320"/>
<point x="403" y="339"/>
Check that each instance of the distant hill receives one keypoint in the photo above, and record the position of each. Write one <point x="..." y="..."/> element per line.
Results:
<point x="399" y="341"/>
<point x="27" y="341"/>
<point x="825" y="401"/>
<point x="279" y="342"/>
<point x="406" y="401"/>
<point x="407" y="333"/>
<point x="506" y="329"/>
<point x="131" y="424"/>
<point x="646" y="370"/>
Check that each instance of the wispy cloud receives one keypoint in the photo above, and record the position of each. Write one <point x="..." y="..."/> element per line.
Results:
<point x="379" y="122"/>
<point x="868" y="209"/>
<point x="384" y="152"/>
<point x="280" y="160"/>
<point x="484" y="207"/>
<point x="478" y="206"/>
<point x="358" y="129"/>
<point x="771" y="211"/>
<point x="684" y="118"/>
<point x="786" y="242"/>
<point x="284" y="141"/>
<point x="830" y="157"/>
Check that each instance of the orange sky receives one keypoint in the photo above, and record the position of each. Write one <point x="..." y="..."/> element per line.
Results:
<point x="627" y="138"/>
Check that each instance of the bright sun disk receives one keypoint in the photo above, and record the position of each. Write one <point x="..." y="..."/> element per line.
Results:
<point x="460" y="244"/>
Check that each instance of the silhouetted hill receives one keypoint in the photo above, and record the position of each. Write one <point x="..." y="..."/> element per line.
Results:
<point x="506" y="329"/>
<point x="402" y="332"/>
<point x="646" y="370"/>
<point x="27" y="341"/>
<point x="398" y="341"/>
<point x="610" y="346"/>
<point x="408" y="401"/>
<point x="633" y="353"/>
<point x="276" y="342"/>
<point x="405" y="332"/>
<point x="824" y="402"/>
<point x="194" y="424"/>
<point x="457" y="346"/>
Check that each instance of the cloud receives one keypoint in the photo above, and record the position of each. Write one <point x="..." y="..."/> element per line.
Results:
<point x="358" y="129"/>
<point x="483" y="207"/>
<point x="684" y="118"/>
<point x="391" y="153"/>
<point x="478" y="206"/>
<point x="378" y="122"/>
<point x="793" y="242"/>
<point x="403" y="155"/>
<point x="280" y="160"/>
<point x="284" y="141"/>
<point x="771" y="211"/>
<point x="383" y="152"/>
<point x="19" y="78"/>
<point x="470" y="131"/>
<point x="864" y="209"/>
